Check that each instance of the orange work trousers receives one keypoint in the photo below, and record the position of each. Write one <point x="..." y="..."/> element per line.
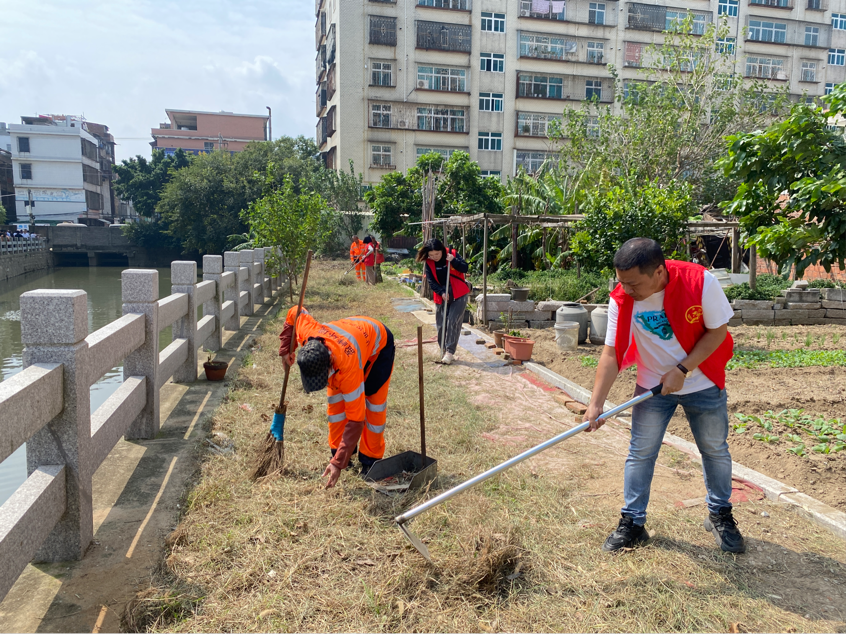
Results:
<point x="359" y="271"/>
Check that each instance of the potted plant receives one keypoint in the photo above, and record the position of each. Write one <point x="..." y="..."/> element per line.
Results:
<point x="519" y="348"/>
<point x="215" y="370"/>
<point x="506" y="320"/>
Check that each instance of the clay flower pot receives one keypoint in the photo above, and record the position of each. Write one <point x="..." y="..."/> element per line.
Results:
<point x="519" y="348"/>
<point x="498" y="335"/>
<point x="520" y="294"/>
<point x="215" y="370"/>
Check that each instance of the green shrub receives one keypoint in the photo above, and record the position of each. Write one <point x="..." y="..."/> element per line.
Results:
<point x="556" y="284"/>
<point x="825" y="284"/>
<point x="768" y="287"/>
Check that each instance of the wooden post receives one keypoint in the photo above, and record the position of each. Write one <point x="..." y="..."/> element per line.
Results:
<point x="485" y="270"/>
<point x="735" y="250"/>
<point x="464" y="241"/>
<point x="513" y="241"/>
<point x="753" y="267"/>
<point x="420" y="389"/>
<point x="545" y="260"/>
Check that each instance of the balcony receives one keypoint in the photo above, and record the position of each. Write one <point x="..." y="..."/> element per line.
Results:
<point x="330" y="83"/>
<point x="320" y="63"/>
<point x="565" y="87"/>
<point x="383" y="30"/>
<point x="531" y="124"/>
<point x="561" y="48"/>
<point x="573" y="13"/>
<point x="439" y="36"/>
<point x="791" y="32"/>
<point x="320" y="98"/>
<point x="330" y="46"/>
<point x="321" y="132"/>
<point x="420" y="117"/>
<point x="330" y="122"/>
<point x="450" y="5"/>
<point x="775" y="4"/>
<point x="647" y="17"/>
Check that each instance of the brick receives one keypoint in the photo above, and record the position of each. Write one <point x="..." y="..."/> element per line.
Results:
<point x="498" y="350"/>
<point x="757" y="314"/>
<point x="835" y="314"/>
<point x="834" y="305"/>
<point x="792" y="314"/>
<point x="817" y="314"/>
<point x="835" y="294"/>
<point x="803" y="305"/>
<point x="562" y="399"/>
<point x="576" y="408"/>
<point x="758" y="322"/>
<point x="752" y="304"/>
<point x="800" y="322"/>
<point x="550" y="305"/>
<point x="490" y="345"/>
<point x="812" y="295"/>
<point x="506" y="306"/>
<point x="494" y="297"/>
<point x="737" y="314"/>
<point x="779" y="301"/>
<point x="834" y="322"/>
<point x="779" y="306"/>
<point x="735" y="322"/>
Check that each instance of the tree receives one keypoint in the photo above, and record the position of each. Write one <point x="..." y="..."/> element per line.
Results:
<point x="143" y="181"/>
<point x="791" y="203"/>
<point x="294" y="222"/>
<point x="673" y="121"/>
<point x="395" y="201"/>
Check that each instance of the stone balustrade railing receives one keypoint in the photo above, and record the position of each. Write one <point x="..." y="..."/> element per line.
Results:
<point x="9" y="246"/>
<point x="47" y="405"/>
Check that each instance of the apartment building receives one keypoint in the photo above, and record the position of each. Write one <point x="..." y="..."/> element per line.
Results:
<point x="398" y="78"/>
<point x="197" y="132"/>
<point x="64" y="164"/>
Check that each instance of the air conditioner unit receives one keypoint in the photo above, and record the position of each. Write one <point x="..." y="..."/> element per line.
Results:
<point x="421" y="84"/>
<point x="402" y="123"/>
<point x="525" y="13"/>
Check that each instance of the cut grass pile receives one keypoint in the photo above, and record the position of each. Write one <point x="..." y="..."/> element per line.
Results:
<point x="518" y="552"/>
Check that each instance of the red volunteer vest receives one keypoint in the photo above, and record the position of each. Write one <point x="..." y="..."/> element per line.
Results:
<point x="380" y="257"/>
<point x="683" y="306"/>
<point x="456" y="280"/>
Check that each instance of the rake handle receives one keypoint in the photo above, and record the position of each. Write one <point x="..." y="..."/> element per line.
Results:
<point x="420" y="389"/>
<point x="294" y="331"/>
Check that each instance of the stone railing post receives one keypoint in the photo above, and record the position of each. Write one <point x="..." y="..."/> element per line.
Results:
<point x="246" y="257"/>
<point x="261" y="277"/>
<point x="268" y="282"/>
<point x="274" y="279"/>
<point x="140" y="294"/>
<point x="232" y="264"/>
<point x="183" y="279"/>
<point x="54" y="324"/>
<point x="213" y="270"/>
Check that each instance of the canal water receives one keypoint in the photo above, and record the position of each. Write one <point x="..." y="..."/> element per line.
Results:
<point x="104" y="305"/>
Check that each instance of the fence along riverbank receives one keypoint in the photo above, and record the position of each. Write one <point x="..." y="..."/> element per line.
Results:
<point x="50" y="517"/>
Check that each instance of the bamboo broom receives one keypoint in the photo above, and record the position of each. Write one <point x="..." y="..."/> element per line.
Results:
<point x="271" y="459"/>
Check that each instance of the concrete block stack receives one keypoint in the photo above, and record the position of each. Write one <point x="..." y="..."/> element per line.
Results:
<point x="527" y="314"/>
<point x="798" y="306"/>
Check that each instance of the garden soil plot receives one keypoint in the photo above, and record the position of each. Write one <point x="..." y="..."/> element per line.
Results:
<point x="520" y="552"/>
<point x="819" y="391"/>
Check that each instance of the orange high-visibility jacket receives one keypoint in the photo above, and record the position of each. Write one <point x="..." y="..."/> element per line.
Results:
<point x="356" y="250"/>
<point x="354" y="342"/>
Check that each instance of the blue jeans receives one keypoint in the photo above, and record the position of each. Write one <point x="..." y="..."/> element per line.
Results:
<point x="707" y="414"/>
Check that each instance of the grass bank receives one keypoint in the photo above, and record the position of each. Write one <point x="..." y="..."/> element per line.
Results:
<point x="520" y="552"/>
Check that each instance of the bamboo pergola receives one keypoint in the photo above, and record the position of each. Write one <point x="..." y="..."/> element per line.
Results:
<point x="557" y="222"/>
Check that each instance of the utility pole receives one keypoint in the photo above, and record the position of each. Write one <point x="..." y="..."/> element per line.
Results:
<point x="31" y="205"/>
<point x="269" y="124"/>
<point x="220" y="141"/>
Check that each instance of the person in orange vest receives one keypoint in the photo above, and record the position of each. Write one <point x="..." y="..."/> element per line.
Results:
<point x="671" y="319"/>
<point x="356" y="250"/>
<point x="353" y="359"/>
<point x="436" y="256"/>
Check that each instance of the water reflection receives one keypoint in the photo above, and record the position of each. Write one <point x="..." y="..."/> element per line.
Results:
<point x="104" y="305"/>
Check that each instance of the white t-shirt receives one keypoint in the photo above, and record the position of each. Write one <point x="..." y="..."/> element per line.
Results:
<point x="658" y="350"/>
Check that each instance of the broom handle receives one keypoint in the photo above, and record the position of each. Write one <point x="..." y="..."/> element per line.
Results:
<point x="294" y="331"/>
<point x="446" y="309"/>
<point x="420" y="389"/>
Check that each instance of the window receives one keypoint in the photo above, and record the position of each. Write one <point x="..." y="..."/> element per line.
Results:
<point x="726" y="45"/>
<point x="785" y="4"/>
<point x="531" y="162"/>
<point x="595" y="52"/>
<point x="812" y="36"/>
<point x="490" y="101"/>
<point x="593" y="89"/>
<point x="547" y="10"/>
<point x="633" y="91"/>
<point x="533" y="124"/>
<point x="540" y="86"/>
<point x="440" y="119"/>
<point x="634" y="54"/>
<point x="23" y="144"/>
<point x="380" y="115"/>
<point x="445" y="152"/>
<point x="208" y="146"/>
<point x="815" y="5"/>
<point x="383" y="30"/>
<point x="727" y="7"/>
<point x="547" y="47"/>
<point x="381" y="74"/>
<point x="596" y="13"/>
<point x="493" y="22"/>
<point x="492" y="62"/>
<point x="829" y="88"/>
<point x="809" y="71"/>
<point x="761" y="31"/>
<point x="836" y="56"/>
<point x="724" y="81"/>
<point x="381" y="156"/>
<point x="490" y="141"/>
<point x="463" y="5"/>
<point x="90" y="175"/>
<point x="93" y="200"/>
<point x="765" y="68"/>
<point x="838" y="21"/>
<point x="26" y="171"/>
<point x="89" y="150"/>
<point x="448" y="79"/>
<point x="592" y="127"/>
<point x="492" y="174"/>
<point x="443" y="37"/>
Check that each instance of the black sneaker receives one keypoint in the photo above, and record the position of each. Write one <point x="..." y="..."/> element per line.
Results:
<point x="724" y="528"/>
<point x="366" y="463"/>
<point x="627" y="535"/>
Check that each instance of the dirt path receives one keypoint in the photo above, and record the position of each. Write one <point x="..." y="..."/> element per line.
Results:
<point x="819" y="391"/>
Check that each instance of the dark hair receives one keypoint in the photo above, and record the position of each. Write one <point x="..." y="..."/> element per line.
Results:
<point x="430" y="245"/>
<point x="367" y="240"/>
<point x="643" y="253"/>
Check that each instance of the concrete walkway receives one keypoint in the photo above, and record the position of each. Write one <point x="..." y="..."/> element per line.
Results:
<point x="137" y="495"/>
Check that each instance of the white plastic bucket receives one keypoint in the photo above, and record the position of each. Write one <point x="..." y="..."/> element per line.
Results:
<point x="567" y="335"/>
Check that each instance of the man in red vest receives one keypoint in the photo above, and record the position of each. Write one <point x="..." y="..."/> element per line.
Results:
<point x="671" y="319"/>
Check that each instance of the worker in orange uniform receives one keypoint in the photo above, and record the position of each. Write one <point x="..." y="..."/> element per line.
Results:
<point x="356" y="252"/>
<point x="354" y="359"/>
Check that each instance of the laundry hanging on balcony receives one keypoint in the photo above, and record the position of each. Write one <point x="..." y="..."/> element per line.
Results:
<point x="540" y="6"/>
<point x="558" y="6"/>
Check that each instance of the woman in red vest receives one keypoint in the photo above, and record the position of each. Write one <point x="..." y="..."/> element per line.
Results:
<point x="671" y="319"/>
<point x="369" y="259"/>
<point x="436" y="256"/>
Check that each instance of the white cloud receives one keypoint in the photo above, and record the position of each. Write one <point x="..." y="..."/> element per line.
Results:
<point x="122" y="63"/>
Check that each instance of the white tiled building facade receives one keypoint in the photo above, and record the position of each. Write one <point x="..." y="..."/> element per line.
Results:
<point x="397" y="78"/>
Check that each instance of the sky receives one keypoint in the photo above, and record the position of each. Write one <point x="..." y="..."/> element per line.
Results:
<point x="122" y="63"/>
